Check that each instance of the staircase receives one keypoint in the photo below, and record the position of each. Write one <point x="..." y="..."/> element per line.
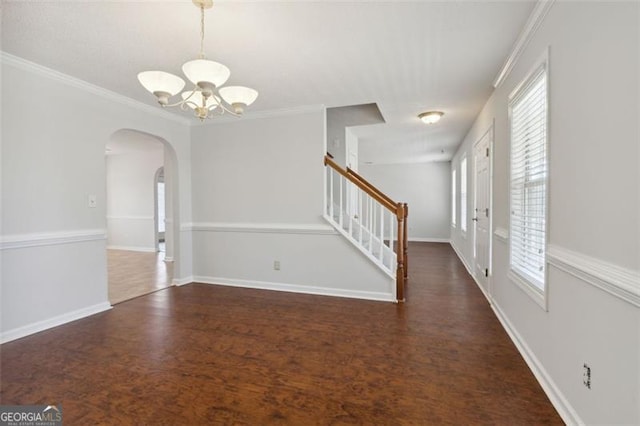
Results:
<point x="369" y="219"/>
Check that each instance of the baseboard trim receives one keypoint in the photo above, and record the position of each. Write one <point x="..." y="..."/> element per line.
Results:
<point x="293" y="288"/>
<point x="18" y="241"/>
<point x="182" y="281"/>
<point x="461" y="257"/>
<point x="56" y="321"/>
<point x="429" y="240"/>
<point x="559" y="402"/>
<point x="133" y="248"/>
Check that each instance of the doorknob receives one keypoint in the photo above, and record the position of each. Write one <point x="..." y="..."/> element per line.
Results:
<point x="475" y="219"/>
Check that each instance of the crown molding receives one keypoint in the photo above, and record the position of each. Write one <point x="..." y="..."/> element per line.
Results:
<point x="28" y="66"/>
<point x="254" y="115"/>
<point x="536" y="17"/>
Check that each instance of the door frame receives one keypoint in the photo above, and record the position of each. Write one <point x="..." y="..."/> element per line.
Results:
<point x="156" y="219"/>
<point x="491" y="132"/>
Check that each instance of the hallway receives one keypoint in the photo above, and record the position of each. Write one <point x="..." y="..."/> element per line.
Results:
<point x="203" y="354"/>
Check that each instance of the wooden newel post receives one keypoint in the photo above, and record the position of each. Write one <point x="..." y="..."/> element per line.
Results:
<point x="400" y="274"/>
<point x="406" y="242"/>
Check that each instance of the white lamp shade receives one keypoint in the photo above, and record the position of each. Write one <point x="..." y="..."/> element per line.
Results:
<point x="205" y="70"/>
<point x="238" y="95"/>
<point x="160" y="81"/>
<point x="431" y="117"/>
<point x="196" y="98"/>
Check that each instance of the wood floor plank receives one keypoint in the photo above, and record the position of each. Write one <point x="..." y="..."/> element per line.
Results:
<point x="133" y="274"/>
<point x="203" y="354"/>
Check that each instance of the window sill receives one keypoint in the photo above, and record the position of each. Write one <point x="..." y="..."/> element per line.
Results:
<point x="532" y="291"/>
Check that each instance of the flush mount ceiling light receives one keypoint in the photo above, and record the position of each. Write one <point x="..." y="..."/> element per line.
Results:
<point x="430" y="117"/>
<point x="207" y="98"/>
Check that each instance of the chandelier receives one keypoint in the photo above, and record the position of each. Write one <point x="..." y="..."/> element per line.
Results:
<point x="207" y="98"/>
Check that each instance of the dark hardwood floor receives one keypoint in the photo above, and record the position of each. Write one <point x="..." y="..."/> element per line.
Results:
<point x="203" y="354"/>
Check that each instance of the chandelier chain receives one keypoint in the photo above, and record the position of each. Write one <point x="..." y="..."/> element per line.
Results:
<point x="201" y="32"/>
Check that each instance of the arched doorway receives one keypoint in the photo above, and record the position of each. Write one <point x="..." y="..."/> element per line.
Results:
<point x="137" y="164"/>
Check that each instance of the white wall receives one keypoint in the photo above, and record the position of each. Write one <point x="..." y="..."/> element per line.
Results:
<point x="258" y="198"/>
<point x="131" y="198"/>
<point x="426" y="188"/>
<point x="53" y="244"/>
<point x="594" y="219"/>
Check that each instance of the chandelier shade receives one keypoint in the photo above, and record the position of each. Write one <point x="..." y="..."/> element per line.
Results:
<point x="207" y="98"/>
<point x="160" y="81"/>
<point x="200" y="70"/>
<point x="238" y="95"/>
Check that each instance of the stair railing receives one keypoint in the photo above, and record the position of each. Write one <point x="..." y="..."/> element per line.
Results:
<point x="405" y="246"/>
<point x="371" y="220"/>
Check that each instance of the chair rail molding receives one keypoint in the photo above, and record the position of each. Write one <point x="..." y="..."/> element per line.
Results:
<point x="501" y="234"/>
<point x="17" y="241"/>
<point x="269" y="228"/>
<point x="620" y="282"/>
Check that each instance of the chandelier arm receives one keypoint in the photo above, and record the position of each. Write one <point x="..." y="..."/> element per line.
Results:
<point x="224" y="109"/>
<point x="224" y="106"/>
<point x="182" y="102"/>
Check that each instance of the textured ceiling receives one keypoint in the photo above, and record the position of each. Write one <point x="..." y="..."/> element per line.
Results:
<point x="405" y="56"/>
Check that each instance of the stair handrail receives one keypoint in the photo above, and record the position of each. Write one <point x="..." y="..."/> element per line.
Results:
<point x="399" y="209"/>
<point x="367" y="183"/>
<point x="384" y="200"/>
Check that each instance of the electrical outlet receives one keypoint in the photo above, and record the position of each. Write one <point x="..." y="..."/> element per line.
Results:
<point x="93" y="201"/>
<point x="276" y="265"/>
<point x="586" y="376"/>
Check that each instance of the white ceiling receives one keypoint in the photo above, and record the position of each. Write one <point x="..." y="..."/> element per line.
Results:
<point x="406" y="56"/>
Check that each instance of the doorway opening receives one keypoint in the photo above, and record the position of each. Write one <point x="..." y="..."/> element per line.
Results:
<point x="140" y="184"/>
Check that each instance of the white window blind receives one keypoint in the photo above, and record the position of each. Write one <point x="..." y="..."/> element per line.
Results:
<point x="528" y="122"/>
<point x="463" y="194"/>
<point x="453" y="198"/>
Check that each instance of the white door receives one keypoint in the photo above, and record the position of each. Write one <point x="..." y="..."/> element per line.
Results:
<point x="482" y="209"/>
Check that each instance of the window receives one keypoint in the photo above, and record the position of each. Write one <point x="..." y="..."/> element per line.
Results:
<point x="463" y="195"/>
<point x="528" y="182"/>
<point x="453" y="198"/>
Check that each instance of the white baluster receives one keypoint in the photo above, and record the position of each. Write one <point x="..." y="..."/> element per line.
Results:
<point x="342" y="181"/>
<point x="391" y="239"/>
<point x="372" y="225"/>
<point x="331" y="193"/>
<point x="381" y="233"/>
<point x="360" y="221"/>
<point x="351" y="188"/>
